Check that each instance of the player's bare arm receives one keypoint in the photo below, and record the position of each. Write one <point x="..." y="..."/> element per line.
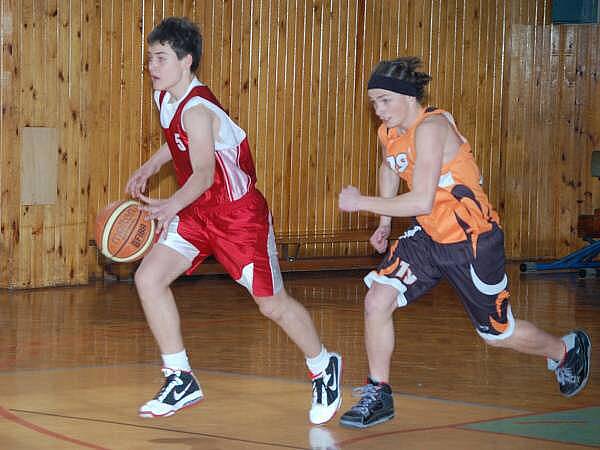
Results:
<point x="198" y="122"/>
<point x="430" y="137"/>
<point x="138" y="181"/>
<point x="389" y="182"/>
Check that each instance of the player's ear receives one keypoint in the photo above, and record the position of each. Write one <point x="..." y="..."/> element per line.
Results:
<point x="187" y="60"/>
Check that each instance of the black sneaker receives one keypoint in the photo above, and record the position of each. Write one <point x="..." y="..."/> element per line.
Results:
<point x="573" y="373"/>
<point x="180" y="390"/>
<point x="376" y="405"/>
<point x="327" y="391"/>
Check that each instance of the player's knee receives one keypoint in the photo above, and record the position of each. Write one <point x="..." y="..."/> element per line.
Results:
<point x="146" y="280"/>
<point x="377" y="304"/>
<point x="269" y="307"/>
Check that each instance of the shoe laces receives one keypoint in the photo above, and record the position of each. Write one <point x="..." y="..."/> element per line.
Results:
<point x="368" y="397"/>
<point x="171" y="381"/>
<point x="317" y="389"/>
<point x="565" y="375"/>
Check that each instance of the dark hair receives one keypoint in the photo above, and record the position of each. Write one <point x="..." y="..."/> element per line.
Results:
<point x="405" y="69"/>
<point x="182" y="35"/>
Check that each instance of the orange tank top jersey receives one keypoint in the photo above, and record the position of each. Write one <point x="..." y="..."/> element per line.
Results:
<point x="461" y="209"/>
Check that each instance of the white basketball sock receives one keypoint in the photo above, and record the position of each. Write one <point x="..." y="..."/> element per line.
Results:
<point x="319" y="363"/>
<point x="177" y="361"/>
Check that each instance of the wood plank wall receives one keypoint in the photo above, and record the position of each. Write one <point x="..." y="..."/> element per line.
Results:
<point x="553" y="125"/>
<point x="45" y="83"/>
<point x="293" y="73"/>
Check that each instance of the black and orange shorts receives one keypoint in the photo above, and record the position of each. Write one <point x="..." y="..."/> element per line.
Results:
<point x="415" y="263"/>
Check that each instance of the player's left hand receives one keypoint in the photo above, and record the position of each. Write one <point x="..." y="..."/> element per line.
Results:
<point x="161" y="210"/>
<point x="349" y="199"/>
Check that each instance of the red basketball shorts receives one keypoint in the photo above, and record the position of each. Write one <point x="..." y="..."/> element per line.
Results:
<point x="239" y="235"/>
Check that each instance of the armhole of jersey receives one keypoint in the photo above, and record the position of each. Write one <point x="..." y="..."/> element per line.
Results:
<point x="192" y="102"/>
<point x="448" y="117"/>
<point x="382" y="136"/>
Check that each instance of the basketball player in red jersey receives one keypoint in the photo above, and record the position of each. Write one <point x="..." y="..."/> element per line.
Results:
<point x="456" y="236"/>
<point x="218" y="211"/>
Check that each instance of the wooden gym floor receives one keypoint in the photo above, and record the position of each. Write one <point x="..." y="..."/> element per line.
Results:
<point x="77" y="362"/>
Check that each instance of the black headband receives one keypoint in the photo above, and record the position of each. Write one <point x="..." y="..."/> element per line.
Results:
<point x="393" y="84"/>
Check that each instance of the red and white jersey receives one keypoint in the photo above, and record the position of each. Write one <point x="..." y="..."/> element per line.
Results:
<point x="235" y="174"/>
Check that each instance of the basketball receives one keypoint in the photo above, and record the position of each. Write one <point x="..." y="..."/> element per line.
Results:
<point x="123" y="234"/>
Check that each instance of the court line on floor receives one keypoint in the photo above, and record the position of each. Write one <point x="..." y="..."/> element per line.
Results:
<point x="459" y="426"/>
<point x="8" y="415"/>
<point x="133" y="425"/>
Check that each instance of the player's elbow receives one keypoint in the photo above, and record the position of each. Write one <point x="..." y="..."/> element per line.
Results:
<point x="424" y="206"/>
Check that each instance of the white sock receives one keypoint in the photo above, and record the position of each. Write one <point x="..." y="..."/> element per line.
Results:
<point x="319" y="363"/>
<point x="177" y="361"/>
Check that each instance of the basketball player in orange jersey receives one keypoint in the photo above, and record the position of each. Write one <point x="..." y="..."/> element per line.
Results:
<point x="456" y="236"/>
<point x="218" y="211"/>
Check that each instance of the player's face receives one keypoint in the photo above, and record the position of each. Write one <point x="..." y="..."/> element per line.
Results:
<point x="167" y="71"/>
<point x="392" y="108"/>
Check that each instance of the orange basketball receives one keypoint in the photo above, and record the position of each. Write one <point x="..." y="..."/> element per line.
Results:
<point x="123" y="233"/>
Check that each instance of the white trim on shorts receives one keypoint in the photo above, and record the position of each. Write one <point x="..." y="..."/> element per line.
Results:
<point x="393" y="282"/>
<point x="247" y="277"/>
<point x="175" y="241"/>
<point x="508" y="333"/>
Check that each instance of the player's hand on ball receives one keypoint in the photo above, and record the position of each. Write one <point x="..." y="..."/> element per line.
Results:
<point x="349" y="199"/>
<point x="161" y="210"/>
<point x="136" y="185"/>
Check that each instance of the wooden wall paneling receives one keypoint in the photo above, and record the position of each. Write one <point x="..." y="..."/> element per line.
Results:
<point x="434" y="65"/>
<point x="440" y="89"/>
<point x="28" y="219"/>
<point x="269" y="124"/>
<point x="591" y="131"/>
<point x="514" y="163"/>
<point x="306" y="181"/>
<point x="538" y="221"/>
<point x="127" y="149"/>
<point x="49" y="19"/>
<point x="9" y="73"/>
<point x="361" y="107"/>
<point x="235" y="49"/>
<point x="277" y="150"/>
<point x="71" y="116"/>
<point x="260" y="86"/>
<point x="350" y="156"/>
<point x="544" y="118"/>
<point x="580" y="150"/>
<point x="99" y="35"/>
<point x="159" y="185"/>
<point x="81" y="166"/>
<point x="568" y="164"/>
<point x="285" y="125"/>
<point x="51" y="92"/>
<point x="343" y="153"/>
<point x="327" y="125"/>
<point x="293" y="75"/>
<point x="529" y="155"/>
<point x="295" y="123"/>
<point x="493" y="179"/>
<point x="330" y="131"/>
<point x="311" y="154"/>
<point x="115" y="95"/>
<point x="227" y="56"/>
<point x="505" y="100"/>
<point x="485" y="82"/>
